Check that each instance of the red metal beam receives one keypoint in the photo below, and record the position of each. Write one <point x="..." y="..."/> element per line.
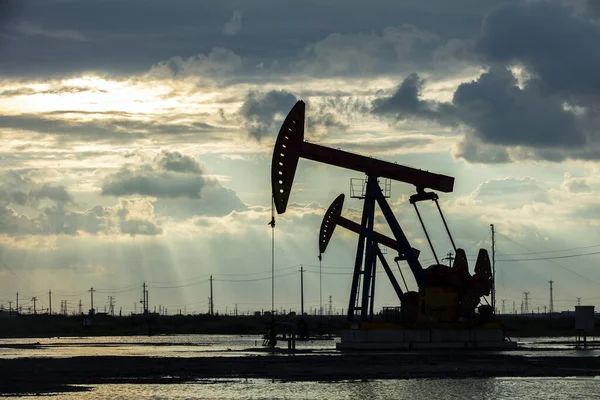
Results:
<point x="375" y="167"/>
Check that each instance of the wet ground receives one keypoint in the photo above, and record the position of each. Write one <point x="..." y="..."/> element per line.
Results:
<point x="58" y="365"/>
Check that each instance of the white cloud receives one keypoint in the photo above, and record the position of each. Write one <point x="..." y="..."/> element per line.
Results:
<point x="233" y="26"/>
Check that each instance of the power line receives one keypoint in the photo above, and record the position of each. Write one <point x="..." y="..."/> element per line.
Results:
<point x="551" y="258"/>
<point x="16" y="276"/>
<point x="258" y="279"/>
<point x="554" y="251"/>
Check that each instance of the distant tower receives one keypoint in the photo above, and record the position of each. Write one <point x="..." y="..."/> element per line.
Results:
<point x="526" y="304"/>
<point x="551" y="299"/>
<point x="330" y="306"/>
<point x="578" y="301"/>
<point x="211" y="304"/>
<point x="111" y="305"/>
<point x="503" y="308"/>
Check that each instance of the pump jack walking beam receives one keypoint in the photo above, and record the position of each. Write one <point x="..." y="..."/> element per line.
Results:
<point x="290" y="146"/>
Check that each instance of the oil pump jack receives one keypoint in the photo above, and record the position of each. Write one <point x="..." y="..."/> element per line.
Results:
<point x="442" y="307"/>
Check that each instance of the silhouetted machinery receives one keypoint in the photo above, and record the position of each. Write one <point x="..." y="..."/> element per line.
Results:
<point x="441" y="311"/>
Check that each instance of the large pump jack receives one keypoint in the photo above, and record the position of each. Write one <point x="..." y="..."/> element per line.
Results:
<point x="445" y="294"/>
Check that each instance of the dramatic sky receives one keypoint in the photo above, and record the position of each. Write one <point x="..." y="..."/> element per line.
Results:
<point x="137" y="139"/>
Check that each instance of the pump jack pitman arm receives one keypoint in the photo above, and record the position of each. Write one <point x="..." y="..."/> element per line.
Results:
<point x="290" y="146"/>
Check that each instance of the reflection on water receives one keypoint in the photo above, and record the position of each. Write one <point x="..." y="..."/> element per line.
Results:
<point x="150" y="346"/>
<point x="499" y="388"/>
<point x="221" y="345"/>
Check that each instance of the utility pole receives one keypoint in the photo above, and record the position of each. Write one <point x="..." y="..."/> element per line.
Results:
<point x="514" y="309"/>
<point x="80" y="307"/>
<point x="330" y="309"/>
<point x="449" y="257"/>
<point x="272" y="224"/>
<point x="503" y="309"/>
<point x="551" y="299"/>
<point x="212" y="304"/>
<point x="144" y="305"/>
<point x="493" y="268"/>
<point x="91" y="300"/>
<point x="578" y="301"/>
<point x="34" y="299"/>
<point x="301" y="290"/>
<point x="320" y="289"/>
<point x="49" y="302"/>
<point x="18" y="312"/>
<point x="10" y="308"/>
<point x="526" y="309"/>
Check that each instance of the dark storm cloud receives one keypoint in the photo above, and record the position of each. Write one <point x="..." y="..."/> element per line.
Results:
<point x="551" y="114"/>
<point x="263" y="112"/>
<point x="126" y="37"/>
<point x="495" y="107"/>
<point x="499" y="114"/>
<point x="559" y="48"/>
<point x="405" y="102"/>
<point x="473" y="150"/>
<point x="502" y="113"/>
<point x="170" y="176"/>
<point x="593" y="7"/>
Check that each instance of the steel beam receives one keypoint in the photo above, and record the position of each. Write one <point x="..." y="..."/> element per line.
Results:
<point x="390" y="275"/>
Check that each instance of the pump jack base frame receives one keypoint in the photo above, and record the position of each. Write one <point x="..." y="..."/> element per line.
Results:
<point x="392" y="337"/>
